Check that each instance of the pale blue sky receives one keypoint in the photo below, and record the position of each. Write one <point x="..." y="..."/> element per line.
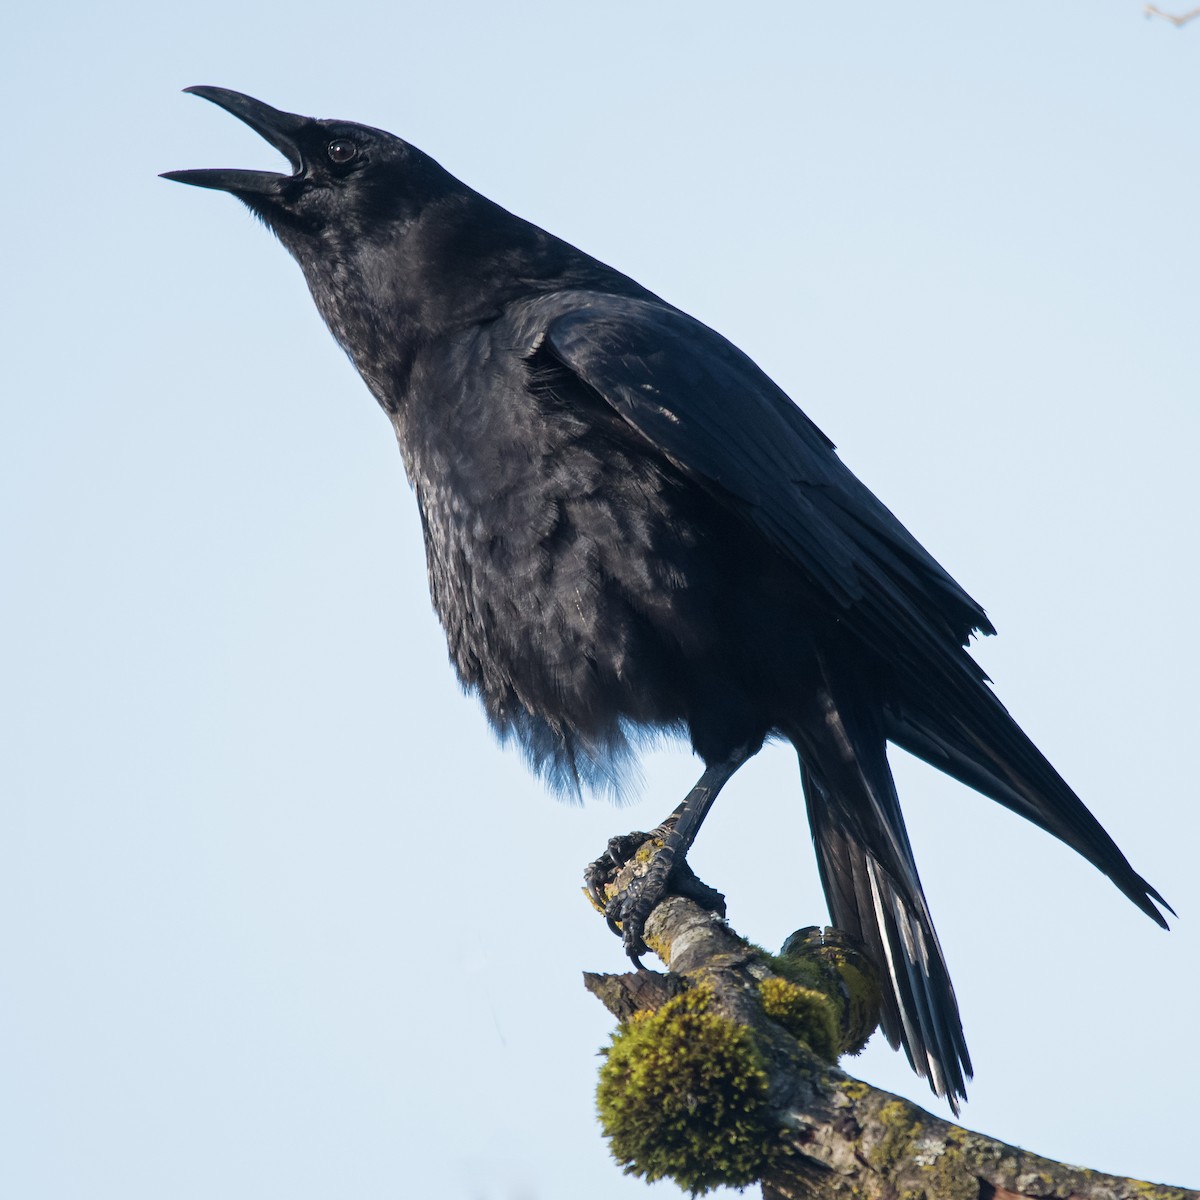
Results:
<point x="234" y="758"/>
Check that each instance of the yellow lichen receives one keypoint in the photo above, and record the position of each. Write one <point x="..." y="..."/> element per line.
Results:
<point x="900" y="1127"/>
<point x="658" y="946"/>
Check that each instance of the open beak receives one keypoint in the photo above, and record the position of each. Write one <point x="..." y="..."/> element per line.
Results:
<point x="281" y="129"/>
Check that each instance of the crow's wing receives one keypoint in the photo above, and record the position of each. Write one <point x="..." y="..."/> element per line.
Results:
<point x="709" y="409"/>
<point x="713" y="413"/>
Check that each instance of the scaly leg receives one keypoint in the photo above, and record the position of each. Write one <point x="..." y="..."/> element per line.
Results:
<point x="628" y="911"/>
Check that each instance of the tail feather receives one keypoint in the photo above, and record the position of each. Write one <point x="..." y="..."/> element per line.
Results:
<point x="982" y="746"/>
<point x="932" y="995"/>
<point x="874" y="892"/>
<point x="865" y="860"/>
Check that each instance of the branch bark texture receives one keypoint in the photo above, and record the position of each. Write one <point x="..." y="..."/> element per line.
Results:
<point x="724" y="1071"/>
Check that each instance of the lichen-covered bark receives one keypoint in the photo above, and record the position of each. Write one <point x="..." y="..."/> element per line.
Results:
<point x="828" y="1136"/>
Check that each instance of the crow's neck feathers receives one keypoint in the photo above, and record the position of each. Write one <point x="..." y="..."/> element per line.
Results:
<point x="433" y="265"/>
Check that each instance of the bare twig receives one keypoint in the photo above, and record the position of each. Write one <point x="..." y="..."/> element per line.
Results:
<point x="1152" y="10"/>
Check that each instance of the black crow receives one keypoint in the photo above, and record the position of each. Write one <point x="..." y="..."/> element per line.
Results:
<point x="629" y="528"/>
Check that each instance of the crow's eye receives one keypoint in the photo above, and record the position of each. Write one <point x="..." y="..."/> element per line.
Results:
<point x="341" y="150"/>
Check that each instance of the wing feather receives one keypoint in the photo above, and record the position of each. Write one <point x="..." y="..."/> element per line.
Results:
<point x="709" y="409"/>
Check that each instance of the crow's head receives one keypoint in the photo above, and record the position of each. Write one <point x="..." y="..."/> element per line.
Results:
<point x="378" y="226"/>
<point x="347" y="180"/>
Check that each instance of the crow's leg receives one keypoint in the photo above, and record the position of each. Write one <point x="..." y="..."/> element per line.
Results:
<point x="668" y="871"/>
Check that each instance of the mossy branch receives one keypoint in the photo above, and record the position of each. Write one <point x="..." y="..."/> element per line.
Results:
<point x="723" y="1071"/>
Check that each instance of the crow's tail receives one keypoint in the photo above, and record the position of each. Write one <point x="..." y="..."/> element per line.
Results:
<point x="873" y="890"/>
<point x="977" y="742"/>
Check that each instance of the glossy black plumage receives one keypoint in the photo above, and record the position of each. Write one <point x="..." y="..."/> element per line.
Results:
<point x="630" y="528"/>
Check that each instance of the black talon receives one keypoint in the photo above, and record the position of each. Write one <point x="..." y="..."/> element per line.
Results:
<point x="627" y="911"/>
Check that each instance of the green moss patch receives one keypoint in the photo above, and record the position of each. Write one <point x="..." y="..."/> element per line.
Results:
<point x="683" y="1095"/>
<point x="807" y="1014"/>
<point x="830" y="964"/>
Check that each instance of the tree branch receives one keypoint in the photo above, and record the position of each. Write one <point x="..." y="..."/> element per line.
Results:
<point x="1152" y="10"/>
<point x="724" y="1071"/>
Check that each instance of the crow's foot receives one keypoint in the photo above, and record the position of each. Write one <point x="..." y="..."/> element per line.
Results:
<point x="635" y="872"/>
<point x="600" y="876"/>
